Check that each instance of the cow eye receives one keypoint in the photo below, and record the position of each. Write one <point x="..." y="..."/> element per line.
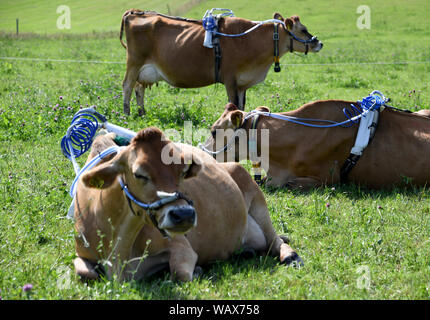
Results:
<point x="141" y="177"/>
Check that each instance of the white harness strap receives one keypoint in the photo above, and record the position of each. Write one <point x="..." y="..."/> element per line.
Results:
<point x="365" y="131"/>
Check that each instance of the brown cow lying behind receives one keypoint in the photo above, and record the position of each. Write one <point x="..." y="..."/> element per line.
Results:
<point x="229" y="209"/>
<point x="171" y="49"/>
<point x="304" y="157"/>
<point x="424" y="112"/>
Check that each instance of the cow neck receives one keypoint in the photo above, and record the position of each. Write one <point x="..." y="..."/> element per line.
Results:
<point x="250" y="126"/>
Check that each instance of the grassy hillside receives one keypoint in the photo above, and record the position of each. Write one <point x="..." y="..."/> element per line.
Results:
<point x="337" y="232"/>
<point x="331" y="18"/>
<point x="41" y="16"/>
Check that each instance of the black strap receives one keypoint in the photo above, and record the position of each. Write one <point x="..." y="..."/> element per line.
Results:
<point x="218" y="56"/>
<point x="348" y="165"/>
<point x="256" y="165"/>
<point x="352" y="160"/>
<point x="155" y="223"/>
<point x="276" y="49"/>
<point x="151" y="216"/>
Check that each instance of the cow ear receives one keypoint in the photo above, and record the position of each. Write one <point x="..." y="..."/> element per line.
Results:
<point x="104" y="175"/>
<point x="193" y="168"/>
<point x="230" y="107"/>
<point x="263" y="109"/>
<point x="295" y="18"/>
<point x="236" y="118"/>
<point x="289" y="23"/>
<point x="278" y="16"/>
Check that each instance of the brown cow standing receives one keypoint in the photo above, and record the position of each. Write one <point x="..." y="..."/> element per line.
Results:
<point x="305" y="157"/>
<point x="171" y="49"/>
<point x="231" y="211"/>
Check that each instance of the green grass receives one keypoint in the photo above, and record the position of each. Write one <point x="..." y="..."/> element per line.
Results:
<point x="386" y="231"/>
<point x="86" y="16"/>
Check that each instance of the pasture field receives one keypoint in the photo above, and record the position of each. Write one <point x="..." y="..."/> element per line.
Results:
<point x="355" y="243"/>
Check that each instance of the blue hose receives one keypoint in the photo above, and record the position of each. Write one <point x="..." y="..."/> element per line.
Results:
<point x="80" y="135"/>
<point x="372" y="102"/>
<point x="351" y="114"/>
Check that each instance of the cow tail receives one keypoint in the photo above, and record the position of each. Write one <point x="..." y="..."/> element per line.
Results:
<point x="122" y="29"/>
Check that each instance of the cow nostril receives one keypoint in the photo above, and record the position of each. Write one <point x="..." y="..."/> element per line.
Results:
<point x="175" y="217"/>
<point x="182" y="215"/>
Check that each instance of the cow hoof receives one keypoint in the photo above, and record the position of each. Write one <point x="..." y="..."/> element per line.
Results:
<point x="247" y="253"/>
<point x="142" y="112"/>
<point x="85" y="269"/>
<point x="293" y="260"/>
<point x="285" y="239"/>
<point x="126" y="109"/>
<point x="198" y="271"/>
<point x="263" y="181"/>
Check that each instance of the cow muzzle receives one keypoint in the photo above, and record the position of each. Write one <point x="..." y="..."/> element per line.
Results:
<point x="165" y="216"/>
<point x="178" y="219"/>
<point x="317" y="47"/>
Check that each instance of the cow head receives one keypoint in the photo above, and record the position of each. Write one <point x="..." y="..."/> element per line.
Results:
<point x="147" y="176"/>
<point x="231" y="118"/>
<point x="294" y="28"/>
<point x="231" y="121"/>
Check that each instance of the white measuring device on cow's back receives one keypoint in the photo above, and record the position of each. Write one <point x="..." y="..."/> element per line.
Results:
<point x="210" y="24"/>
<point x="366" y="130"/>
<point x="368" y="121"/>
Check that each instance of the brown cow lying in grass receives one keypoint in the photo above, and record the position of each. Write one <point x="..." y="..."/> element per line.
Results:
<point x="305" y="157"/>
<point x="424" y="112"/>
<point x="162" y="48"/>
<point x="229" y="211"/>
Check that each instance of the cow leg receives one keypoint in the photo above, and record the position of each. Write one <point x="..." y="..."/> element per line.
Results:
<point x="277" y="177"/>
<point x="140" y="94"/>
<point x="85" y="269"/>
<point x="254" y="237"/>
<point x="147" y="266"/>
<point x="303" y="183"/>
<point x="241" y="99"/>
<point x="259" y="212"/>
<point x="183" y="259"/>
<point x="260" y="232"/>
<point x="127" y="88"/>
<point x="232" y="93"/>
